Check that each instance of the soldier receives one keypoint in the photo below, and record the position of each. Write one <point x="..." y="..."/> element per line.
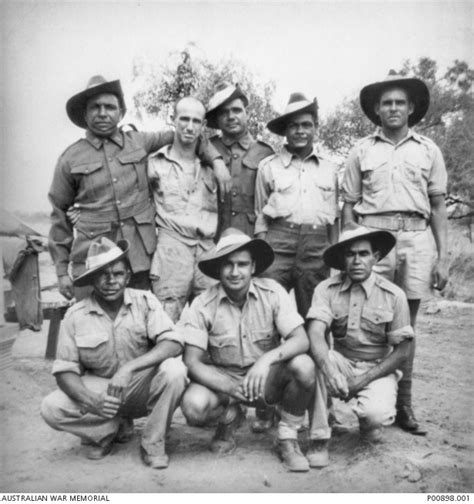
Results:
<point x="227" y="112"/>
<point x="395" y="180"/>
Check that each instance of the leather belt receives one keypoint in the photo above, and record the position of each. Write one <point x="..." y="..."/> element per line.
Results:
<point x="395" y="222"/>
<point x="297" y="228"/>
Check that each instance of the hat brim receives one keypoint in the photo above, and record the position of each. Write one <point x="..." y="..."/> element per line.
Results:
<point x="279" y="124"/>
<point x="260" y="250"/>
<point x="76" y="106"/>
<point x="416" y="88"/>
<point x="211" y="114"/>
<point x="87" y="277"/>
<point x="383" y="241"/>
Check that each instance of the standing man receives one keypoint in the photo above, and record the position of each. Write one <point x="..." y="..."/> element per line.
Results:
<point x="245" y="343"/>
<point x="227" y="112"/>
<point x="395" y="180"/>
<point x="185" y="197"/>
<point x="369" y="320"/>
<point x="115" y="362"/>
<point x="105" y="175"/>
<point x="296" y="203"/>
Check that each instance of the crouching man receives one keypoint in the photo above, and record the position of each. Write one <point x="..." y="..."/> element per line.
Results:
<point x="115" y="362"/>
<point x="244" y="344"/>
<point x="370" y="324"/>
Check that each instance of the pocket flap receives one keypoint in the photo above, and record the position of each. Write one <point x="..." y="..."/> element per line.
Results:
<point x="221" y="341"/>
<point x="265" y="335"/>
<point x="146" y="217"/>
<point x="377" y="315"/>
<point x="91" y="340"/>
<point x="86" y="169"/>
<point x="93" y="229"/>
<point x="132" y="157"/>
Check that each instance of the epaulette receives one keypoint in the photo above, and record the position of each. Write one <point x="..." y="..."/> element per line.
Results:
<point x="267" y="160"/>
<point x="387" y="285"/>
<point x="266" y="284"/>
<point x="69" y="147"/>
<point x="78" y="306"/>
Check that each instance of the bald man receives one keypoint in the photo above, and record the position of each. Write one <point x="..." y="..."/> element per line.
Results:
<point x="185" y="197"/>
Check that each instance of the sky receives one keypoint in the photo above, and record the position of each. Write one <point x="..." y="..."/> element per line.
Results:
<point x="330" y="50"/>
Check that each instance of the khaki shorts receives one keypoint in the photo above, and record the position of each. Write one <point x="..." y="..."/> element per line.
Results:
<point x="410" y="263"/>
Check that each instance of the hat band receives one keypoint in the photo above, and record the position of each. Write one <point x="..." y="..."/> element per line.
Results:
<point x="231" y="240"/>
<point x="104" y="258"/>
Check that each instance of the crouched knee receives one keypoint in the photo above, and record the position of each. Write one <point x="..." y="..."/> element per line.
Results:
<point x="303" y="369"/>
<point x="195" y="407"/>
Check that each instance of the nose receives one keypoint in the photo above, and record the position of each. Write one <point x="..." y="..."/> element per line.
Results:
<point x="235" y="270"/>
<point x="102" y="111"/>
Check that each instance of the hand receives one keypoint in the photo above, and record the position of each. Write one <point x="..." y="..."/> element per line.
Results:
<point x="336" y="383"/>
<point x="65" y="286"/>
<point x="439" y="275"/>
<point x="254" y="382"/>
<point x="119" y="383"/>
<point x="355" y="385"/>
<point x="236" y="392"/>
<point x="104" y="405"/>
<point x="223" y="177"/>
<point x="73" y="214"/>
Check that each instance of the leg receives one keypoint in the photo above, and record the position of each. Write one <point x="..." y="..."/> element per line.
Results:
<point x="63" y="414"/>
<point x="172" y="274"/>
<point x="200" y="282"/>
<point x="292" y="385"/>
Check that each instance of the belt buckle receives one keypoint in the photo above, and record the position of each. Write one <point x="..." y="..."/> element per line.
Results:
<point x="400" y="222"/>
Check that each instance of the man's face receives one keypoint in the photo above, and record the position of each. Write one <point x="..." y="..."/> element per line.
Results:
<point x="359" y="259"/>
<point x="189" y="121"/>
<point x="300" y="131"/>
<point x="110" y="283"/>
<point x="394" y="108"/>
<point x="232" y="119"/>
<point x="103" y="114"/>
<point x="236" y="272"/>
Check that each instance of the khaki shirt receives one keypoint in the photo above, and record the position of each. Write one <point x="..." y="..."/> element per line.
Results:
<point x="301" y="191"/>
<point x="90" y="341"/>
<point x="239" y="337"/>
<point x="185" y="198"/>
<point x="365" y="319"/>
<point x="383" y="177"/>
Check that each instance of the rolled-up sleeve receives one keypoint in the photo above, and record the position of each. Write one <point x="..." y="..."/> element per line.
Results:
<point x="351" y="187"/>
<point x="320" y="308"/>
<point x="400" y="329"/>
<point x="192" y="325"/>
<point x="67" y="355"/>
<point x="159" y="325"/>
<point x="287" y="318"/>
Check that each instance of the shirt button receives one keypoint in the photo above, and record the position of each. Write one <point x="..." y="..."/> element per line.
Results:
<point x="87" y="171"/>
<point x="234" y="214"/>
<point x="115" y="180"/>
<point x="110" y="159"/>
<point x="118" y="202"/>
<point x="235" y="156"/>
<point x="122" y="224"/>
<point x="234" y="193"/>
<point x="244" y="336"/>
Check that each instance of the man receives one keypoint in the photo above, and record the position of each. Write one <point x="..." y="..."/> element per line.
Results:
<point x="115" y="362"/>
<point x="185" y="197"/>
<point x="227" y="112"/>
<point x="395" y="180"/>
<point x="105" y="175"/>
<point x="370" y="324"/>
<point x="296" y="203"/>
<point x="233" y="350"/>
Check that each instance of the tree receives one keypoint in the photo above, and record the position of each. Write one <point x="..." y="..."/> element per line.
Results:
<point x="449" y="122"/>
<point x="187" y="73"/>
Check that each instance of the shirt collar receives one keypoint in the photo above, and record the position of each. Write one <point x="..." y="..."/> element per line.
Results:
<point x="411" y="134"/>
<point x="244" y="141"/>
<point x="92" y="305"/>
<point x="223" y="295"/>
<point x="97" y="142"/>
<point x="287" y="157"/>
<point x="367" y="285"/>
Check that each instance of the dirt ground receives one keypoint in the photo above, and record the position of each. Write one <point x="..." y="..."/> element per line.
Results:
<point x="36" y="458"/>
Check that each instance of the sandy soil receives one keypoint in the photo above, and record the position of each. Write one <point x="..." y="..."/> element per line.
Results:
<point x="37" y="459"/>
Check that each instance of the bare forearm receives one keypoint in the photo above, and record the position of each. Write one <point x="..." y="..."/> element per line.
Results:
<point x="73" y="386"/>
<point x="291" y="347"/>
<point x="439" y="226"/>
<point x="210" y="377"/>
<point x="348" y="214"/>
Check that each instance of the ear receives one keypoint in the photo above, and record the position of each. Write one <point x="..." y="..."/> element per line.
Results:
<point x="377" y="108"/>
<point x="254" y="267"/>
<point x="411" y="108"/>
<point x="377" y="255"/>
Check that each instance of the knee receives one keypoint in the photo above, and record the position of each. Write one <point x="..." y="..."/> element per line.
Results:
<point x="50" y="410"/>
<point x="372" y="416"/>
<point x="303" y="369"/>
<point x="172" y="371"/>
<point x="195" y="408"/>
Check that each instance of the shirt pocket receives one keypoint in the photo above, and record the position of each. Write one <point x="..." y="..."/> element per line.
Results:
<point x="280" y="203"/>
<point x="209" y="193"/>
<point x="136" y="160"/>
<point x="145" y="225"/>
<point x="92" y="349"/>
<point x="375" y="176"/>
<point x="87" y="177"/>
<point x="86" y="232"/>
<point x="223" y="350"/>
<point x="416" y="174"/>
<point x="339" y="322"/>
<point x="374" y="324"/>
<point x="328" y="198"/>
<point x="263" y="340"/>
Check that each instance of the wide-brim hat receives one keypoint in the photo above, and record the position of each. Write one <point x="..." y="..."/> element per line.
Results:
<point x="76" y="106"/>
<point x="297" y="104"/>
<point x="382" y="241"/>
<point x="101" y="253"/>
<point x="417" y="90"/>
<point x="231" y="241"/>
<point x="225" y="93"/>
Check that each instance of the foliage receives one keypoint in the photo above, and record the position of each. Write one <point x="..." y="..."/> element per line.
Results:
<point x="186" y="73"/>
<point x="449" y="121"/>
